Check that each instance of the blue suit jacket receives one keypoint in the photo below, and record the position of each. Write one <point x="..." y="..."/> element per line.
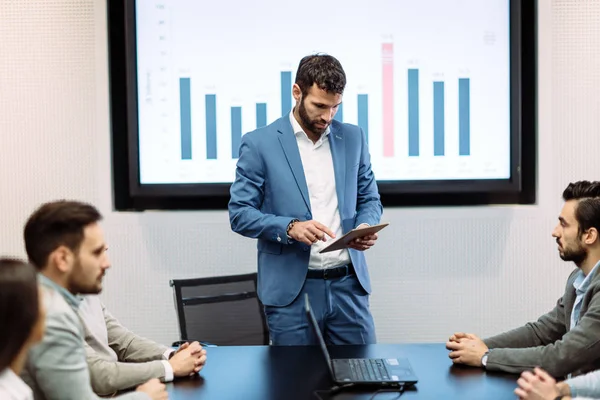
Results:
<point x="270" y="190"/>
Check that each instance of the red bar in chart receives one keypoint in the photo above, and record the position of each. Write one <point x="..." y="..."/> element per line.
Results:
<point x="387" y="59"/>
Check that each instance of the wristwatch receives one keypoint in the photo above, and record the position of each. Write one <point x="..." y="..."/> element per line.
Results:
<point x="484" y="358"/>
<point x="289" y="227"/>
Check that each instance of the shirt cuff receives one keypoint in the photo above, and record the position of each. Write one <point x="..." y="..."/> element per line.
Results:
<point x="572" y="389"/>
<point x="168" y="371"/>
<point x="168" y="354"/>
<point x="484" y="359"/>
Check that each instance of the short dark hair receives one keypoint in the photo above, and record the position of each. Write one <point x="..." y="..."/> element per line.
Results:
<point x="19" y="307"/>
<point x="54" y="224"/>
<point x="323" y="70"/>
<point x="587" y="212"/>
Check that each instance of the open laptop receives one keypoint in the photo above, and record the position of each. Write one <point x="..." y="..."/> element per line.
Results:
<point x="370" y="371"/>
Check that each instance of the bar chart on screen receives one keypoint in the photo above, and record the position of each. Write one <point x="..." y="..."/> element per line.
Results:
<point x="430" y="94"/>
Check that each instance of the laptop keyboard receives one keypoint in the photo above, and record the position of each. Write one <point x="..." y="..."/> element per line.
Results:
<point x="368" y="370"/>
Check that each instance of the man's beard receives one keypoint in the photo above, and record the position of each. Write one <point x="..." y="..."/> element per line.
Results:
<point x="308" y="124"/>
<point x="77" y="285"/>
<point x="577" y="255"/>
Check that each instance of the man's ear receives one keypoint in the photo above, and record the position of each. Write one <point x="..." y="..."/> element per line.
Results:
<point x="296" y="92"/>
<point x="590" y="236"/>
<point x="62" y="257"/>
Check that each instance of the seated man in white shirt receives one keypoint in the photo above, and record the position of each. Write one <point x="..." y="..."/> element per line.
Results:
<point x="118" y="359"/>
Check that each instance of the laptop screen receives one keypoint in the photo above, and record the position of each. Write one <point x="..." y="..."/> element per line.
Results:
<point x="315" y="325"/>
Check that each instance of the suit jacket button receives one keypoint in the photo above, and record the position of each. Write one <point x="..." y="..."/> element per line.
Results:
<point x="305" y="248"/>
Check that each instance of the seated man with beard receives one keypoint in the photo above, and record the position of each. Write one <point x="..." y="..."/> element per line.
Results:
<point x="567" y="339"/>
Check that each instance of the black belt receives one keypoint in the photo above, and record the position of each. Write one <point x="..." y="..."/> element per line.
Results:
<point x="331" y="273"/>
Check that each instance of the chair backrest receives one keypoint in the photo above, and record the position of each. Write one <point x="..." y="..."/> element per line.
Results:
<point x="222" y="310"/>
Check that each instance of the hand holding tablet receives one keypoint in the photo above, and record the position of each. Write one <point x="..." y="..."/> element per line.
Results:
<point x="343" y="241"/>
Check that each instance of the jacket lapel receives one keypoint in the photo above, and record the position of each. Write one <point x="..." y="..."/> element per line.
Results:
<point x="292" y="154"/>
<point x="337" y="144"/>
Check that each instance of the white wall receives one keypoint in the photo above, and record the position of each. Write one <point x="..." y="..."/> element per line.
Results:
<point x="434" y="271"/>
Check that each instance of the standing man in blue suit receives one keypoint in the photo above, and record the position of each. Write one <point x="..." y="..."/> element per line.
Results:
<point x="301" y="181"/>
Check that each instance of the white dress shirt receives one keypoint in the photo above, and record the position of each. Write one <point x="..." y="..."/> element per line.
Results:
<point x="12" y="387"/>
<point x="90" y="311"/>
<point x="320" y="179"/>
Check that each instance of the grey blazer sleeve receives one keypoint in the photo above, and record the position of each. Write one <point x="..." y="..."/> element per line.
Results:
<point x="129" y="346"/>
<point x="58" y="364"/>
<point x="547" y="329"/>
<point x="577" y="349"/>
<point x="139" y="360"/>
<point x="109" y="377"/>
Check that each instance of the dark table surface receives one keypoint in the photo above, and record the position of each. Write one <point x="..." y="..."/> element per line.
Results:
<point x="296" y="372"/>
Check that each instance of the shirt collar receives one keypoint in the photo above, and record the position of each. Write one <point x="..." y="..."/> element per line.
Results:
<point x="582" y="283"/>
<point x="68" y="296"/>
<point x="299" y="131"/>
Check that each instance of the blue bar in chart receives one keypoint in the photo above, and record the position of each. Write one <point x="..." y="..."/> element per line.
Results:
<point x="464" y="117"/>
<point x="236" y="131"/>
<point x="261" y="115"/>
<point x="413" y="112"/>
<point x="211" y="127"/>
<point x="286" y="92"/>
<point x="438" y="119"/>
<point x="339" y="115"/>
<point x="186" y="118"/>
<point x="439" y="116"/>
<point x="363" y="114"/>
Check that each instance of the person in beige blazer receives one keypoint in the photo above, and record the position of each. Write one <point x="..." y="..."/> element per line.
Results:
<point x="119" y="359"/>
<point x="65" y="242"/>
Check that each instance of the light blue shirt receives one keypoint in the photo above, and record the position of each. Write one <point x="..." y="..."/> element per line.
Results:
<point x="585" y="385"/>
<point x="68" y="296"/>
<point x="581" y="285"/>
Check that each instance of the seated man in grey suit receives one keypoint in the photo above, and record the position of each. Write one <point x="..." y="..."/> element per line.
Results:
<point x="118" y="359"/>
<point x="567" y="339"/>
<point x="65" y="243"/>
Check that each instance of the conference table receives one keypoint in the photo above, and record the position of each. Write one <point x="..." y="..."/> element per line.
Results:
<point x="297" y="372"/>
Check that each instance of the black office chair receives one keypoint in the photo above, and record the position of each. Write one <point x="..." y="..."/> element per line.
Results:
<point x="224" y="311"/>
